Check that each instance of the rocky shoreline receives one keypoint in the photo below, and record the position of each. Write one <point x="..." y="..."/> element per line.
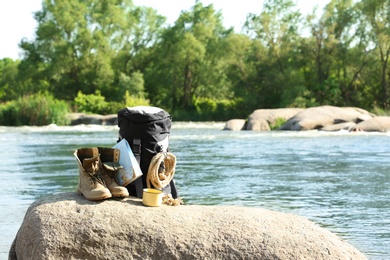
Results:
<point x="323" y="118"/>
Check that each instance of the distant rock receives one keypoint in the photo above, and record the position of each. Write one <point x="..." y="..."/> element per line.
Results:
<point x="341" y="126"/>
<point x="375" y="124"/>
<point x="261" y="119"/>
<point x="67" y="226"/>
<point x="93" y="119"/>
<point x="235" y="125"/>
<point x="325" y="116"/>
<point x="260" y="124"/>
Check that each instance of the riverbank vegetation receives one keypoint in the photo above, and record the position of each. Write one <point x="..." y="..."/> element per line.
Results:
<point x="100" y="56"/>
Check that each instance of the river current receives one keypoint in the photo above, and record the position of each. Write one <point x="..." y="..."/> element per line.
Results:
<point x="339" y="180"/>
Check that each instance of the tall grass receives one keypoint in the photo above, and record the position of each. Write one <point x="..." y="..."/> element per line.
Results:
<point x="380" y="111"/>
<point x="38" y="109"/>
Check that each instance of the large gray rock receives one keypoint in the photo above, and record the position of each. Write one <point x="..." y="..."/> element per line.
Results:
<point x="260" y="124"/>
<point x="325" y="116"/>
<point x="261" y="119"/>
<point x="341" y="126"/>
<point x="235" y="125"/>
<point x="376" y="124"/>
<point x="66" y="226"/>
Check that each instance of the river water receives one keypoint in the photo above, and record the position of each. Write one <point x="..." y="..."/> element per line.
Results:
<point x="339" y="180"/>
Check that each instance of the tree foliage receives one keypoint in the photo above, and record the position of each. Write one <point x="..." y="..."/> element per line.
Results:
<point x="275" y="56"/>
<point x="115" y="54"/>
<point x="189" y="60"/>
<point x="87" y="45"/>
<point x="376" y="13"/>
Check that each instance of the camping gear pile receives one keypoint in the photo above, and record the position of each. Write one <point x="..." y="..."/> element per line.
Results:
<point x="139" y="162"/>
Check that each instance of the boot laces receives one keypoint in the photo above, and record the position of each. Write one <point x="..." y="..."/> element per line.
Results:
<point x="97" y="178"/>
<point x="96" y="175"/>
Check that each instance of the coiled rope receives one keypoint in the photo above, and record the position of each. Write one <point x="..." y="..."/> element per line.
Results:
<point x="160" y="177"/>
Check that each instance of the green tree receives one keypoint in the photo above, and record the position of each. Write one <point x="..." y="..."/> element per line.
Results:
<point x="241" y="69"/>
<point x="133" y="84"/>
<point x="14" y="84"/>
<point x="189" y="60"/>
<point x="376" y="19"/>
<point x="277" y="80"/>
<point x="8" y="79"/>
<point x="336" y="54"/>
<point x="134" y="91"/>
<point x="86" y="45"/>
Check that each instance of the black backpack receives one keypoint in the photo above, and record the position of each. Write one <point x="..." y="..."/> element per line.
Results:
<point x="147" y="130"/>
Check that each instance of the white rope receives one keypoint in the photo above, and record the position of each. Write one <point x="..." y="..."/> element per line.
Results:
<point x="162" y="179"/>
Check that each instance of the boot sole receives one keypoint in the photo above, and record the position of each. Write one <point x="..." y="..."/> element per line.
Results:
<point x="95" y="199"/>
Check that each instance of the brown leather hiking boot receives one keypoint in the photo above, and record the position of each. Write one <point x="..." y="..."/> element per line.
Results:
<point x="91" y="184"/>
<point x="109" y="158"/>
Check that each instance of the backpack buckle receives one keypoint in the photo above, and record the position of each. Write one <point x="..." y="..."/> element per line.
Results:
<point x="136" y="147"/>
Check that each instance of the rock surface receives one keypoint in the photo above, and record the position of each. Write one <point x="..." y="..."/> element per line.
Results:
<point x="325" y="116"/>
<point x="259" y="124"/>
<point x="235" y="125"/>
<point x="257" y="120"/>
<point x="67" y="226"/>
<point x="375" y="124"/>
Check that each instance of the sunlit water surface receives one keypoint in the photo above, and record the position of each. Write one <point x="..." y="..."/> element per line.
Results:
<point x="339" y="180"/>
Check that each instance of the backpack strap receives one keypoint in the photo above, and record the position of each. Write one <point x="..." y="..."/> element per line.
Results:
<point x="136" y="147"/>
<point x="173" y="189"/>
<point x="138" y="186"/>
